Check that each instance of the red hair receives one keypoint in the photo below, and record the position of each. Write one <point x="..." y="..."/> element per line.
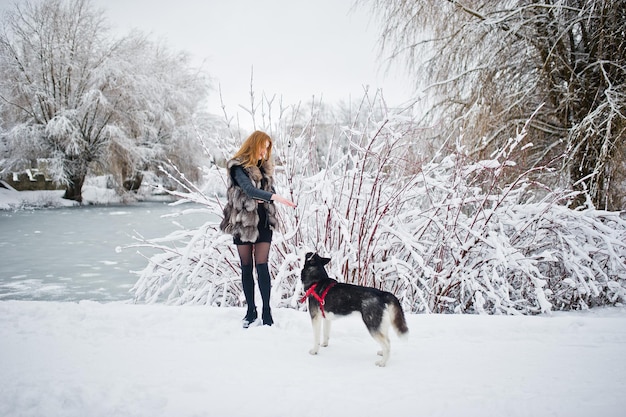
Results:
<point x="249" y="152"/>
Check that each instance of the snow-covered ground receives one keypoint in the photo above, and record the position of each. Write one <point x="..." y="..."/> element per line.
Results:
<point x="115" y="359"/>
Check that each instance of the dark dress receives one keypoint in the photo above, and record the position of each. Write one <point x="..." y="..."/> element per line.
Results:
<point x="243" y="181"/>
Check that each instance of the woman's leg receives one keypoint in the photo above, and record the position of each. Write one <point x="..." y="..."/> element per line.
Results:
<point x="261" y="256"/>
<point x="247" y="281"/>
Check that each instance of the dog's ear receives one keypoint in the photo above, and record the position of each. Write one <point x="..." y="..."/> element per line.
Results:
<point x="324" y="261"/>
<point x="313" y="258"/>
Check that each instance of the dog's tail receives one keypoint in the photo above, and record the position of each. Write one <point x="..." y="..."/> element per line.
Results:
<point x="398" y="322"/>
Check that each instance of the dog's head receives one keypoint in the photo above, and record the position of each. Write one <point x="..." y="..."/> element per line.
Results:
<point x="313" y="270"/>
<point x="313" y="259"/>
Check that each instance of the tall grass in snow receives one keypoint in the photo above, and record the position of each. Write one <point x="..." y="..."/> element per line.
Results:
<point x="443" y="233"/>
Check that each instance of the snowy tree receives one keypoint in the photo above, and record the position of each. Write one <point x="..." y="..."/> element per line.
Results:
<point x="158" y="115"/>
<point x="83" y="101"/>
<point x="441" y="233"/>
<point x="488" y="65"/>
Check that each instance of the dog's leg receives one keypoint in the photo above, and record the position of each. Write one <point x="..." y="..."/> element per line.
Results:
<point x="316" y="321"/>
<point x="383" y="339"/>
<point x="381" y="335"/>
<point x="327" y="323"/>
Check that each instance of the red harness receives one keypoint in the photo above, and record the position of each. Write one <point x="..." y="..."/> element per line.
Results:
<point x="319" y="298"/>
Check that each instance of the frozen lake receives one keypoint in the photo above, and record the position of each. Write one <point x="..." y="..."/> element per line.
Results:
<point x="69" y="254"/>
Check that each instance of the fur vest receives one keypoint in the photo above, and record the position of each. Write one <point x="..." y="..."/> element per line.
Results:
<point x="241" y="217"/>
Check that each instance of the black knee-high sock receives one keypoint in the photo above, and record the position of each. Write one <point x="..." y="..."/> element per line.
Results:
<point x="247" y="283"/>
<point x="265" y="284"/>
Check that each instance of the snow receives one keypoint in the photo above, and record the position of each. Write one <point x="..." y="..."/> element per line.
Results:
<point x="117" y="359"/>
<point x="11" y="199"/>
<point x="120" y="359"/>
<point x="95" y="192"/>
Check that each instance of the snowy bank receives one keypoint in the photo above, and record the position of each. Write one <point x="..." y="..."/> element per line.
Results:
<point x="94" y="192"/>
<point x="90" y="359"/>
<point x="14" y="200"/>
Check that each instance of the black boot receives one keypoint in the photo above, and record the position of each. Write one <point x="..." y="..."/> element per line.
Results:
<point x="250" y="318"/>
<point x="265" y="287"/>
<point x="267" y="317"/>
<point x="247" y="283"/>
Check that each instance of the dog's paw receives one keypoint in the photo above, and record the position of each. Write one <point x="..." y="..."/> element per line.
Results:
<point x="381" y="363"/>
<point x="313" y="351"/>
<point x="379" y="353"/>
<point x="324" y="344"/>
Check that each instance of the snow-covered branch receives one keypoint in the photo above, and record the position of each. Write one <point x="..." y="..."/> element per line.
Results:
<point x="443" y="235"/>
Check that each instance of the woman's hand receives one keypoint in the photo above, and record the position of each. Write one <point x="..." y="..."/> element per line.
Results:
<point x="283" y="200"/>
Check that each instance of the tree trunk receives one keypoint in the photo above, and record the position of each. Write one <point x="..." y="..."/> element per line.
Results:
<point x="74" y="190"/>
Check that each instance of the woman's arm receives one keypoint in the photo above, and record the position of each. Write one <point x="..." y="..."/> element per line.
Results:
<point x="242" y="179"/>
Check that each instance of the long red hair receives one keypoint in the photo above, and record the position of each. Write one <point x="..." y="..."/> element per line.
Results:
<point x="251" y="148"/>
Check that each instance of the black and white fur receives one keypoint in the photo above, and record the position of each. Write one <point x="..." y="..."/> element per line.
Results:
<point x="379" y="309"/>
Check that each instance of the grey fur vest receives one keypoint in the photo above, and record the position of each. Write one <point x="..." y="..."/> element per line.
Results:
<point x="241" y="217"/>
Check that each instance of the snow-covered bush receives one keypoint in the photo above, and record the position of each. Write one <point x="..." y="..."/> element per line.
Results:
<point x="441" y="235"/>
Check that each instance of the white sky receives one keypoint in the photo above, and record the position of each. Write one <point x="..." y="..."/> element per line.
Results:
<point x="298" y="49"/>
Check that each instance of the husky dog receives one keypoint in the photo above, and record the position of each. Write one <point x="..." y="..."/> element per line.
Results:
<point x="329" y="299"/>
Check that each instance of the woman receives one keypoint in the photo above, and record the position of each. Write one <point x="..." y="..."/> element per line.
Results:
<point x="250" y="216"/>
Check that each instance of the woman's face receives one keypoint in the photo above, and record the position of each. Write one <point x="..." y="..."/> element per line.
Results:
<point x="264" y="149"/>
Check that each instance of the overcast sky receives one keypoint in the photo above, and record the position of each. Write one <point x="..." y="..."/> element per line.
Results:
<point x="298" y="48"/>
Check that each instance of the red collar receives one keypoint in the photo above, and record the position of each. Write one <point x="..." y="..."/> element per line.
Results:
<point x="319" y="298"/>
